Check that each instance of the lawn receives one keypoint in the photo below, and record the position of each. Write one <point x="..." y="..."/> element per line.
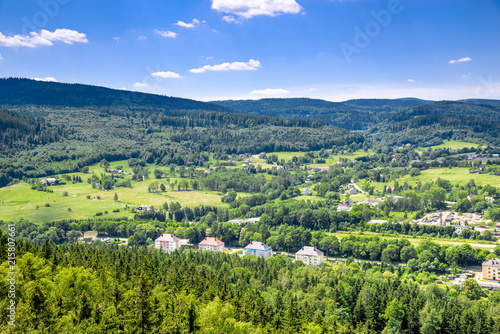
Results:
<point x="19" y="201"/>
<point x="455" y="176"/>
<point x="454" y="145"/>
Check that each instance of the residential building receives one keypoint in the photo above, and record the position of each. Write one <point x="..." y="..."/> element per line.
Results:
<point x="490" y="199"/>
<point x="258" y="248"/>
<point x="310" y="255"/>
<point x="50" y="180"/>
<point x="491" y="269"/>
<point x="307" y="191"/>
<point x="353" y="191"/>
<point x="168" y="242"/>
<point x="144" y="208"/>
<point x="343" y="207"/>
<point x="211" y="244"/>
<point x="375" y="201"/>
<point x="459" y="229"/>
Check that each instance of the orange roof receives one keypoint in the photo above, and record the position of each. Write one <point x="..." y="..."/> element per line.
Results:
<point x="211" y="241"/>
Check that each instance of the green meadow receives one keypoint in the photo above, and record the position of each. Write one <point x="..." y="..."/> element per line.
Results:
<point x="453" y="145"/>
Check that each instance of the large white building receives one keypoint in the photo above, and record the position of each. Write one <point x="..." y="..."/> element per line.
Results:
<point x="310" y="255"/>
<point x="258" y="248"/>
<point x="211" y="244"/>
<point x="168" y="242"/>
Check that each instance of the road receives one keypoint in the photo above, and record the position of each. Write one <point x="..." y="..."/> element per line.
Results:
<point x="358" y="188"/>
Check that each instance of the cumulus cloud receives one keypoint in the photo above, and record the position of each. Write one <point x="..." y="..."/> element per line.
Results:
<point x="166" y="34"/>
<point x="140" y="85"/>
<point x="43" y="38"/>
<point x="251" y="65"/>
<point x="270" y="92"/>
<point x="461" y="60"/>
<point x="246" y="9"/>
<point x="142" y="38"/>
<point x="411" y="80"/>
<point x="46" y="79"/>
<point x="116" y="39"/>
<point x="193" y="24"/>
<point x="167" y="75"/>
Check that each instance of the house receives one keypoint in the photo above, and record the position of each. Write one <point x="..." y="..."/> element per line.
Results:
<point x="50" y="180"/>
<point x="471" y="197"/>
<point x="307" y="191"/>
<point x="349" y="202"/>
<point x="279" y="167"/>
<point x="491" y="269"/>
<point x="248" y="160"/>
<point x="115" y="171"/>
<point x="490" y="199"/>
<point x="353" y="191"/>
<point x="389" y="189"/>
<point x="244" y="166"/>
<point x="343" y="207"/>
<point x="168" y="242"/>
<point x="459" y="229"/>
<point x="145" y="208"/>
<point x="258" y="248"/>
<point x="241" y="155"/>
<point x="310" y="255"/>
<point x="375" y="201"/>
<point x="325" y="169"/>
<point x="209" y="171"/>
<point x="211" y="244"/>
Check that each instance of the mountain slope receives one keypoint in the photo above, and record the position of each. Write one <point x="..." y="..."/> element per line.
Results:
<point x="350" y="115"/>
<point x="30" y="92"/>
<point x="63" y="134"/>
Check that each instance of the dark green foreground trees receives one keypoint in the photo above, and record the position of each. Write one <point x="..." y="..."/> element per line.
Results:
<point x="106" y="289"/>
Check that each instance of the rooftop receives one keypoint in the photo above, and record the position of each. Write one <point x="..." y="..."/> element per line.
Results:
<point x="492" y="263"/>
<point x="309" y="251"/>
<point x="211" y="241"/>
<point x="167" y="237"/>
<point x="257" y="245"/>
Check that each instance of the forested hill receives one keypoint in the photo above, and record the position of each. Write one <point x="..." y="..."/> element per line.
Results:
<point x="50" y="128"/>
<point x="429" y="124"/>
<point x="350" y="115"/>
<point x="30" y="92"/>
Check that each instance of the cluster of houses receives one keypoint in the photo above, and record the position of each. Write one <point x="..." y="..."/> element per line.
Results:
<point x="308" y="254"/>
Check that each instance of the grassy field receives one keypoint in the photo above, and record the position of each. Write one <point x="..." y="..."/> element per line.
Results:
<point x="417" y="241"/>
<point x="454" y="175"/>
<point x="453" y="145"/>
<point x="19" y="201"/>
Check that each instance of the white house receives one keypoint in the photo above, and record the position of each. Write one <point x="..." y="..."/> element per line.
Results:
<point x="168" y="242"/>
<point x="310" y="255"/>
<point x="353" y="191"/>
<point x="258" y="248"/>
<point x="459" y="229"/>
<point x="211" y="244"/>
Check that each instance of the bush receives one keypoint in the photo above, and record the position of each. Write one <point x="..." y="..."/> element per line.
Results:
<point x="98" y="213"/>
<point x="116" y="210"/>
<point x="65" y="193"/>
<point x="47" y="205"/>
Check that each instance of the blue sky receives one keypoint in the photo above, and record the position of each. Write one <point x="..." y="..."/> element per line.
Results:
<point x="247" y="49"/>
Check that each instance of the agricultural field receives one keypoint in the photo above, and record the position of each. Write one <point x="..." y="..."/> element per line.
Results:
<point x="453" y="145"/>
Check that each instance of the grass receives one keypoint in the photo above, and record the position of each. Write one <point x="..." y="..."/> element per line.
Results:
<point x="455" y="175"/>
<point x="19" y="201"/>
<point x="454" y="145"/>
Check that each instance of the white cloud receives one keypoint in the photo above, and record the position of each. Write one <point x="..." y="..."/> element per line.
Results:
<point x="466" y="76"/>
<point x="43" y="38"/>
<point x="166" y="34"/>
<point x="193" y="24"/>
<point x="167" y="75"/>
<point x="411" y="80"/>
<point x="251" y="65"/>
<point x="270" y="92"/>
<point x="1" y="58"/>
<point x="142" y="38"/>
<point x="249" y="8"/>
<point x="461" y="60"/>
<point x="46" y="79"/>
<point x="116" y="39"/>
<point x="209" y="58"/>
<point x="140" y="85"/>
<point x="230" y="19"/>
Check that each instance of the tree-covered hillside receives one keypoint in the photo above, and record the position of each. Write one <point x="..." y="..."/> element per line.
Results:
<point x="23" y="92"/>
<point x="350" y="115"/>
<point x="429" y="124"/>
<point x="45" y="139"/>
